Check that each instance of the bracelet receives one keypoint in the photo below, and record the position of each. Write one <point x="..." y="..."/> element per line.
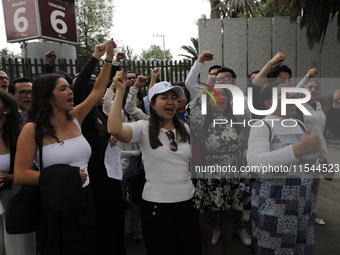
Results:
<point x="108" y="61"/>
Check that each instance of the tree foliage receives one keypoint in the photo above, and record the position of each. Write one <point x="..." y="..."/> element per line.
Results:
<point x="316" y="15"/>
<point x="155" y="53"/>
<point x="7" y="53"/>
<point x="233" y="8"/>
<point x="269" y="9"/>
<point x="192" y="51"/>
<point x="94" y="20"/>
<point x="128" y="53"/>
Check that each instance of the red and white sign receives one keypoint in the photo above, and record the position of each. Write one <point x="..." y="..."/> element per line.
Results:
<point x="58" y="20"/>
<point x="48" y="19"/>
<point x="20" y="20"/>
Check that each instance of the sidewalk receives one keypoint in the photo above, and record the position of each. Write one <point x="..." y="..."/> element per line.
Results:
<point x="327" y="238"/>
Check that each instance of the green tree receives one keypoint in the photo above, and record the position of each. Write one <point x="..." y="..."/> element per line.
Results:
<point x="191" y="50"/>
<point x="128" y="53"/>
<point x="268" y="8"/>
<point x="155" y="53"/>
<point x="94" y="20"/>
<point x="7" y="53"/>
<point x="233" y="8"/>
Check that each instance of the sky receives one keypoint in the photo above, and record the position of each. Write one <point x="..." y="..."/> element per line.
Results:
<point x="135" y="23"/>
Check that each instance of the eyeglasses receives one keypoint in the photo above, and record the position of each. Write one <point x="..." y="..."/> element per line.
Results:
<point x="24" y="93"/>
<point x="130" y="78"/>
<point x="225" y="95"/>
<point x="3" y="78"/>
<point x="223" y="79"/>
<point x="173" y="144"/>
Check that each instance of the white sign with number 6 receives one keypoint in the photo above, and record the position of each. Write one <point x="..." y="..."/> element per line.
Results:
<point x="20" y="23"/>
<point x="55" y="21"/>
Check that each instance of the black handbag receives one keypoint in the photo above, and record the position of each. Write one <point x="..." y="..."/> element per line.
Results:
<point x="23" y="211"/>
<point x="137" y="183"/>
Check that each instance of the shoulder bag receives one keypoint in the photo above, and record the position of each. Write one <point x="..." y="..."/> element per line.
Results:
<point x="23" y="211"/>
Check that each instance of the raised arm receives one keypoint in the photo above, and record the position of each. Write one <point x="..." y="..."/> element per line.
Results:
<point x="81" y="110"/>
<point x="116" y="64"/>
<point x="130" y="104"/>
<point x="310" y="74"/>
<point x="154" y="75"/>
<point x="120" y="131"/>
<point x="50" y="57"/>
<point x="108" y="98"/>
<point x="80" y="86"/>
<point x="260" y="79"/>
<point x="192" y="78"/>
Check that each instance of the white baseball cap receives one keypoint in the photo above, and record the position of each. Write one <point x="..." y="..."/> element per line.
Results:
<point x="165" y="86"/>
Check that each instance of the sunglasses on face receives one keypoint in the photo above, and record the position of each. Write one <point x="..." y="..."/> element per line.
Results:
<point x="24" y="93"/>
<point x="131" y="78"/>
<point x="173" y="144"/>
<point x="3" y="78"/>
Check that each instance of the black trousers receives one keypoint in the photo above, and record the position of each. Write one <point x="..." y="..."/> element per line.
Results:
<point x="171" y="228"/>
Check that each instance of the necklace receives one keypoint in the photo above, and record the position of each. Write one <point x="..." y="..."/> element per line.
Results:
<point x="62" y="128"/>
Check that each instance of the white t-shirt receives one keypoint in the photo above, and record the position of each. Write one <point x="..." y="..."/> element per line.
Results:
<point x="259" y="153"/>
<point x="167" y="175"/>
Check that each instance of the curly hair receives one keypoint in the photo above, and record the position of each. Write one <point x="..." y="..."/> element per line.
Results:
<point x="40" y="110"/>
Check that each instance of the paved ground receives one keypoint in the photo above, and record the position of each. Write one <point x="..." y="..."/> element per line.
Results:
<point x="327" y="238"/>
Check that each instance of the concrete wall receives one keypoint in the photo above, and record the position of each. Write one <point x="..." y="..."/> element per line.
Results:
<point x="210" y="38"/>
<point x="38" y="49"/>
<point x="246" y="45"/>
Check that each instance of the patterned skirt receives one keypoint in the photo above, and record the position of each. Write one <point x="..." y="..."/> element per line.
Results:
<point x="283" y="216"/>
<point x="218" y="194"/>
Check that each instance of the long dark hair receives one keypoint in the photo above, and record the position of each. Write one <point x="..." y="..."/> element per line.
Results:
<point x="11" y="127"/>
<point x="155" y="124"/>
<point x="40" y="110"/>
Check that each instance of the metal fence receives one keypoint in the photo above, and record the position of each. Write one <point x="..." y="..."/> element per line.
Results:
<point x="19" y="67"/>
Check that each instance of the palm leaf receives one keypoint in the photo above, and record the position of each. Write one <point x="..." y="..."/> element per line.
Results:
<point x="192" y="51"/>
<point x="316" y="15"/>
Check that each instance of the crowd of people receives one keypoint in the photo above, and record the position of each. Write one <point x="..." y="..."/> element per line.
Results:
<point x="107" y="127"/>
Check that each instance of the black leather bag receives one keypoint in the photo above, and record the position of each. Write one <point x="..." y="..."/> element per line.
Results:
<point x="24" y="205"/>
<point x="137" y="183"/>
<point x="22" y="214"/>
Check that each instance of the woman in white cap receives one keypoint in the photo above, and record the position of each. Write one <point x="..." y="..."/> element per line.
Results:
<point x="169" y="221"/>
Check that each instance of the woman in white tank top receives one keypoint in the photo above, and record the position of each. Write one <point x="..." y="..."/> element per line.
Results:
<point x="53" y="110"/>
<point x="9" y="132"/>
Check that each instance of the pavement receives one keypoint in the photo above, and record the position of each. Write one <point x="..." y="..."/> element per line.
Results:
<point x="327" y="238"/>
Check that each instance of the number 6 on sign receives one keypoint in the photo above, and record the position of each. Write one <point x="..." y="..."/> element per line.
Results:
<point x="55" y="21"/>
<point x="18" y="20"/>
